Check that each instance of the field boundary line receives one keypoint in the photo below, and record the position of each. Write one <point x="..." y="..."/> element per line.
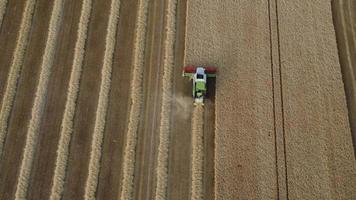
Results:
<point x="39" y="101"/>
<point x="100" y="118"/>
<point x="3" y="5"/>
<point x="72" y="95"/>
<point x="277" y="105"/>
<point x="136" y="102"/>
<point x="15" y="70"/>
<point x="197" y="162"/>
<point x="164" y="130"/>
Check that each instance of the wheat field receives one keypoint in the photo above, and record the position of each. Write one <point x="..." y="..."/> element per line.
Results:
<point x="94" y="105"/>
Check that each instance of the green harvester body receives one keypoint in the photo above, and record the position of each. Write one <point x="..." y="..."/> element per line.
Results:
<point x="199" y="77"/>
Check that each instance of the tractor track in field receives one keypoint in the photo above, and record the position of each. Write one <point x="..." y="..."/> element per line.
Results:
<point x="149" y="127"/>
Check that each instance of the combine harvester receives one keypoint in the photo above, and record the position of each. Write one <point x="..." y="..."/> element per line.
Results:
<point x="199" y="76"/>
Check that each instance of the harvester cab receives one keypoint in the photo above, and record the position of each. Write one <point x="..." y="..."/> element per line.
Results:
<point x="199" y="77"/>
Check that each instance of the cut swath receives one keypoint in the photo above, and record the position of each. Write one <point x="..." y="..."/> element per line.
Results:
<point x="40" y="97"/>
<point x="72" y="94"/>
<point x="136" y="102"/>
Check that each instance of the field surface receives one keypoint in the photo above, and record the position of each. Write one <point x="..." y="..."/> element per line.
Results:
<point x="94" y="105"/>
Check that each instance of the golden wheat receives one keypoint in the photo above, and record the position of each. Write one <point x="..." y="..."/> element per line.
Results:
<point x="164" y="131"/>
<point x="40" y="97"/>
<point x="95" y="154"/>
<point x="15" y="69"/>
<point x="197" y="153"/>
<point x="72" y="94"/>
<point x="136" y="101"/>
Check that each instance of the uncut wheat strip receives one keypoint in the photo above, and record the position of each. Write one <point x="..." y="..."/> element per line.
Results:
<point x="40" y="96"/>
<point x="3" y="4"/>
<point x="136" y="102"/>
<point x="15" y="69"/>
<point x="164" y="130"/>
<point x="197" y="153"/>
<point x="72" y="94"/>
<point x="95" y="154"/>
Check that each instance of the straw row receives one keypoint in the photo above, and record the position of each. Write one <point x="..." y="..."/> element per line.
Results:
<point x="72" y="95"/>
<point x="15" y="69"/>
<point x="197" y="153"/>
<point x="3" y="4"/>
<point x="39" y="101"/>
<point x="136" y="102"/>
<point x="164" y="131"/>
<point x="100" y="119"/>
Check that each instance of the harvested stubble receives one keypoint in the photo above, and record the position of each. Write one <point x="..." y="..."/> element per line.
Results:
<point x="3" y="4"/>
<point x="197" y="160"/>
<point x="95" y="154"/>
<point x="136" y="102"/>
<point x="40" y="96"/>
<point x="164" y="132"/>
<point x="73" y="88"/>
<point x="344" y="13"/>
<point x="15" y="69"/>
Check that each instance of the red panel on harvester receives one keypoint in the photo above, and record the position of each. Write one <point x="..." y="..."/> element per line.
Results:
<point x="210" y="70"/>
<point x="190" y="69"/>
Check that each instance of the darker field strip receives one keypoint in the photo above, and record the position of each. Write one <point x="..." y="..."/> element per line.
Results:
<point x="43" y="117"/>
<point x="32" y="134"/>
<point x="148" y="130"/>
<point x="344" y="15"/>
<point x="84" y="119"/>
<point x="8" y="35"/>
<point x="101" y="111"/>
<point x="14" y="72"/>
<point x="66" y="123"/>
<point x="110" y="176"/>
<point x="209" y="143"/>
<point x="49" y="132"/>
<point x="136" y="97"/>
